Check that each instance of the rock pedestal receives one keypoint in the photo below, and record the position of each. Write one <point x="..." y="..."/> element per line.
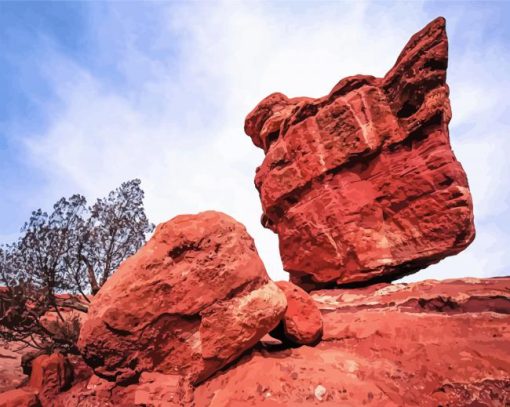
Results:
<point x="432" y="343"/>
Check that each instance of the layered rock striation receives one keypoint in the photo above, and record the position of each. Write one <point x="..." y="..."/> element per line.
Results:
<point x="431" y="343"/>
<point x="362" y="184"/>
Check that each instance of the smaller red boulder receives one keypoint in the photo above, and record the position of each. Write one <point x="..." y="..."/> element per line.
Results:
<point x="302" y="322"/>
<point x="51" y="374"/>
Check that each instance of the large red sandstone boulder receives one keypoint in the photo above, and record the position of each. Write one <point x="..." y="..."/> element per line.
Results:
<point x="191" y="300"/>
<point x="432" y="343"/>
<point x="302" y="322"/>
<point x="362" y="184"/>
<point x="50" y="375"/>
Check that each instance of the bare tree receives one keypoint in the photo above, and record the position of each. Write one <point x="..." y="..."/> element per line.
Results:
<point x="115" y="230"/>
<point x="62" y="258"/>
<point x="27" y="309"/>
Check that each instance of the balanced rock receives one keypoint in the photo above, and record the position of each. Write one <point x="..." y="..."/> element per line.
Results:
<point x="302" y="322"/>
<point x="191" y="300"/>
<point x="362" y="184"/>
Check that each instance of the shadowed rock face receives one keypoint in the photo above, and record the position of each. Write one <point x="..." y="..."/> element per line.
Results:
<point x="190" y="301"/>
<point x="385" y="346"/>
<point x="51" y="374"/>
<point x="362" y="184"/>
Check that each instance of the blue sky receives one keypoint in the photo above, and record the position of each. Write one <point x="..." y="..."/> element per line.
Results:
<point x="97" y="93"/>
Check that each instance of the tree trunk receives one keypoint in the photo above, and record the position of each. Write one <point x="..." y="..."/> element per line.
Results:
<point x="94" y="286"/>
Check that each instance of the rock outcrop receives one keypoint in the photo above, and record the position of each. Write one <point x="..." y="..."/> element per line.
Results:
<point x="11" y="372"/>
<point x="25" y="397"/>
<point x="302" y="321"/>
<point x="152" y="390"/>
<point x="190" y="301"/>
<point x="430" y="343"/>
<point x="50" y="375"/>
<point x="362" y="184"/>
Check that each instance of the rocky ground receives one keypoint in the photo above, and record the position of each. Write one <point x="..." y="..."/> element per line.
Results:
<point x="429" y="343"/>
<point x="11" y="374"/>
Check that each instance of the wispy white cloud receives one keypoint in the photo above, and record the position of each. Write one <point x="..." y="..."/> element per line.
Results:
<point x="175" y="115"/>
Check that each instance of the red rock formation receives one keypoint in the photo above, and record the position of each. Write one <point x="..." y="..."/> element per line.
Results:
<point x="25" y="397"/>
<point x="11" y="373"/>
<point x="302" y="322"/>
<point x="362" y="184"/>
<point x="96" y="392"/>
<point x="51" y="374"/>
<point x="424" y="344"/>
<point x="81" y="371"/>
<point x="191" y="300"/>
<point x="429" y="343"/>
<point x="158" y="390"/>
<point x="153" y="390"/>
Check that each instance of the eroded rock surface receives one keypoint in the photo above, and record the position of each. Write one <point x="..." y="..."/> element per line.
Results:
<point x="11" y="373"/>
<point x="25" y="397"/>
<point x="362" y="184"/>
<point x="50" y="375"/>
<point x="386" y="346"/>
<point x="190" y="301"/>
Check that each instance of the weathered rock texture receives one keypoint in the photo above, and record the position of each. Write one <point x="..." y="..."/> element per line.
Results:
<point x="11" y="374"/>
<point x="25" y="397"/>
<point x="362" y="184"/>
<point x="51" y="374"/>
<point x="424" y="344"/>
<point x="302" y="322"/>
<point x="429" y="343"/>
<point x="190" y="301"/>
<point x="152" y="390"/>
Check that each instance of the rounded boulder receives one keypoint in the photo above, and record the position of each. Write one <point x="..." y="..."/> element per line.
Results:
<point x="193" y="299"/>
